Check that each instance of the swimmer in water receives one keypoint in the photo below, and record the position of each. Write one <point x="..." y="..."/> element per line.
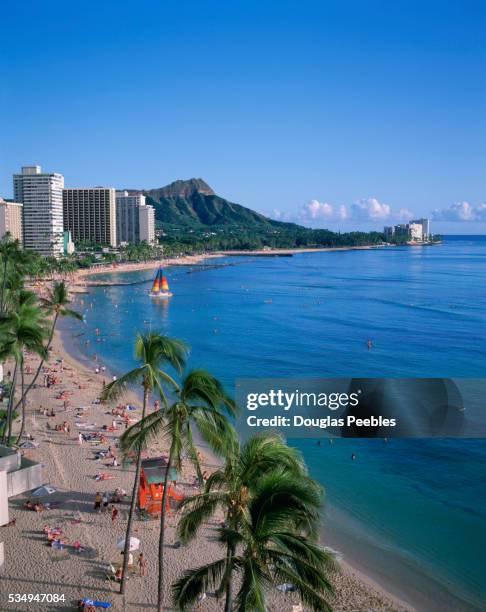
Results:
<point x="353" y="457"/>
<point x="369" y="344"/>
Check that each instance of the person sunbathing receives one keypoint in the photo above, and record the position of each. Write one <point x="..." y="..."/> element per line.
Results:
<point x="103" y="476"/>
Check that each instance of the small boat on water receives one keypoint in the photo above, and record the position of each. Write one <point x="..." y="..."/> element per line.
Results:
<point x="160" y="286"/>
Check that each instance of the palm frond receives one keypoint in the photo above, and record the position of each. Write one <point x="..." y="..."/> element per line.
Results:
<point x="215" y="430"/>
<point x="255" y="579"/>
<point x="198" y="509"/>
<point x="119" y="387"/>
<point x="142" y="432"/>
<point x="194" y="582"/>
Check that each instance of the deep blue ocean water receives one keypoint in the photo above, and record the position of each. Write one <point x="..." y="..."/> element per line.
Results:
<point x="410" y="512"/>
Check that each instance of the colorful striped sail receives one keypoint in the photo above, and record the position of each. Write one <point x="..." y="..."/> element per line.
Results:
<point x="156" y="283"/>
<point x="164" y="285"/>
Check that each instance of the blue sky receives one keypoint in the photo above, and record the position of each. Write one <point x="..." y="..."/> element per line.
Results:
<point x="339" y="114"/>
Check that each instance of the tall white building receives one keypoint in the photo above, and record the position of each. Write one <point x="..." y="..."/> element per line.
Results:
<point x="11" y="219"/>
<point x="135" y="220"/>
<point x="425" y="224"/>
<point x="41" y="196"/>
<point x="90" y="215"/>
<point x="415" y="231"/>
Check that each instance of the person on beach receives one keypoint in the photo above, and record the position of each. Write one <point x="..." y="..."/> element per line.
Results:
<point x="114" y="513"/>
<point x="80" y="439"/>
<point x="142" y="564"/>
<point x="97" y="502"/>
<point x="104" y="501"/>
<point x="130" y="558"/>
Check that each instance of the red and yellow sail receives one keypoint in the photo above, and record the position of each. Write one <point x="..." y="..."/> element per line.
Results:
<point x="156" y="283"/>
<point x="160" y="284"/>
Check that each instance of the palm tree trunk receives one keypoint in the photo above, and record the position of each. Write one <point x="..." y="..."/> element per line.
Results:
<point x="133" y="503"/>
<point x="229" y="580"/>
<point x="22" y="384"/>
<point x="160" y="592"/>
<point x="42" y="361"/>
<point x="8" y="425"/>
<point x="4" y="283"/>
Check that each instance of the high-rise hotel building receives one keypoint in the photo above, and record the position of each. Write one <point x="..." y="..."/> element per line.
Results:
<point x="135" y="220"/>
<point x="90" y="215"/>
<point x="11" y="219"/>
<point x="41" y="196"/>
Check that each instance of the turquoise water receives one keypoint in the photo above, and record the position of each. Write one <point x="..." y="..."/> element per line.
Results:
<point x="410" y="512"/>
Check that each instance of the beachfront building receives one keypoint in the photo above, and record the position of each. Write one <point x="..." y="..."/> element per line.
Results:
<point x="90" y="215"/>
<point x="415" y="231"/>
<point x="41" y="196"/>
<point x="17" y="475"/>
<point x="425" y="225"/>
<point x="135" y="220"/>
<point x="11" y="219"/>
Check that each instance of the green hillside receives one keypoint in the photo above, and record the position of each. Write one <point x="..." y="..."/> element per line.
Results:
<point x="194" y="204"/>
<point x="192" y="218"/>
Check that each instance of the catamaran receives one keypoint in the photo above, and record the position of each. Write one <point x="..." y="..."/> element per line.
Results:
<point x="160" y="286"/>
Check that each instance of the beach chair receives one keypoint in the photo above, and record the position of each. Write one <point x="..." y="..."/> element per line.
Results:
<point x="110" y="574"/>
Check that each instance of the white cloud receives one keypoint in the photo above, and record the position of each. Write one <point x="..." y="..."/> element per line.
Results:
<point x="370" y="209"/>
<point x="461" y="211"/>
<point x="316" y="213"/>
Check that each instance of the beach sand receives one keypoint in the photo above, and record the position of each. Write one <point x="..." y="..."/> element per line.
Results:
<point x="32" y="566"/>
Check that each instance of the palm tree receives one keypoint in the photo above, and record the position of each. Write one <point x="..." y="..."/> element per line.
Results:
<point x="232" y="487"/>
<point x="275" y="544"/>
<point x="153" y="351"/>
<point x="10" y="254"/>
<point x="55" y="304"/>
<point x="21" y="330"/>
<point x="202" y="404"/>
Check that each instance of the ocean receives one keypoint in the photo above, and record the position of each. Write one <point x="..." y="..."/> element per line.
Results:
<point x="410" y="513"/>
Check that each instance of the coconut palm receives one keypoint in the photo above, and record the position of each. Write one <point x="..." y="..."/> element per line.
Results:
<point x="153" y="352"/>
<point x="21" y="330"/>
<point x="12" y="258"/>
<point x="232" y="487"/>
<point x="201" y="404"/>
<point x="55" y="304"/>
<point x="273" y="546"/>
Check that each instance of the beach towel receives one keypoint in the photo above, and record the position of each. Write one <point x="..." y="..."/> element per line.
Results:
<point x="97" y="604"/>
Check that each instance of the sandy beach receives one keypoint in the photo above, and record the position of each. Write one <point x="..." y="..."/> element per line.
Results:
<point x="80" y="276"/>
<point x="33" y="566"/>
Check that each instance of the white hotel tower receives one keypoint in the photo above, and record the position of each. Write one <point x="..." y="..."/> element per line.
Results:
<point x="41" y="196"/>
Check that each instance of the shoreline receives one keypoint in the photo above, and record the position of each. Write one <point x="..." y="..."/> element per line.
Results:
<point x="356" y="580"/>
<point x="191" y="260"/>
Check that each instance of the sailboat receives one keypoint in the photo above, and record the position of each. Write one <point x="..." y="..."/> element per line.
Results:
<point x="160" y="286"/>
